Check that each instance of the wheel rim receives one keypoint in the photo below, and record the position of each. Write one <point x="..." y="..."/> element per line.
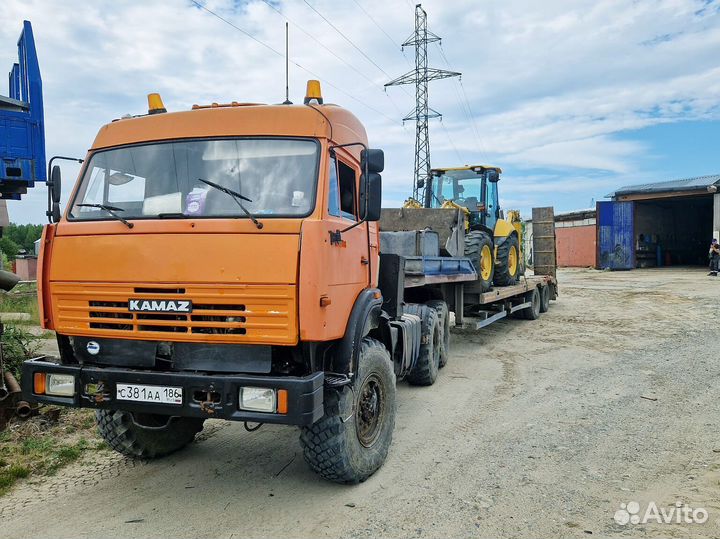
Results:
<point x="512" y="260"/>
<point x="485" y="262"/>
<point x="370" y="410"/>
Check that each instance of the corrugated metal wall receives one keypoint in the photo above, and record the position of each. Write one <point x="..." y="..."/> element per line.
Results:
<point x="576" y="246"/>
<point x="616" y="233"/>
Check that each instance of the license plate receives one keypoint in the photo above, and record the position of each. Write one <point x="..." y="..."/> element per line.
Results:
<point x="142" y="393"/>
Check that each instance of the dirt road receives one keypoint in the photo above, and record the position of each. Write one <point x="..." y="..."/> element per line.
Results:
<point x="534" y="429"/>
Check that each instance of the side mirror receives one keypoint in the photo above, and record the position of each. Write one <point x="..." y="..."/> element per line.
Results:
<point x="56" y="184"/>
<point x="374" y="160"/>
<point x="371" y="197"/>
<point x="493" y="176"/>
<point x="55" y="188"/>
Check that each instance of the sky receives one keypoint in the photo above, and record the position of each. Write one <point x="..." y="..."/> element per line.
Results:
<point x="571" y="98"/>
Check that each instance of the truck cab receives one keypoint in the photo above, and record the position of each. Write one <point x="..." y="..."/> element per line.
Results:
<point x="214" y="263"/>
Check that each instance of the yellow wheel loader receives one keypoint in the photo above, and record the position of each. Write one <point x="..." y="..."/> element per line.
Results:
<point x="492" y="241"/>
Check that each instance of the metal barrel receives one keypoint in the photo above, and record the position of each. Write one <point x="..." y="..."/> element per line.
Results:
<point x="11" y="383"/>
<point x="8" y="280"/>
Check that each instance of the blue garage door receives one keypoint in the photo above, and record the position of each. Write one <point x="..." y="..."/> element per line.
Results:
<point x="616" y="231"/>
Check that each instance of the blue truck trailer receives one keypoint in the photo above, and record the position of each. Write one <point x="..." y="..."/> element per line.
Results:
<point x="22" y="128"/>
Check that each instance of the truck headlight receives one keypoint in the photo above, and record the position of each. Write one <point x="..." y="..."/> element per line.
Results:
<point x="60" y="385"/>
<point x="258" y="399"/>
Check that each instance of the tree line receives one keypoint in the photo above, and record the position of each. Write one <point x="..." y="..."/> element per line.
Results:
<point x="16" y="238"/>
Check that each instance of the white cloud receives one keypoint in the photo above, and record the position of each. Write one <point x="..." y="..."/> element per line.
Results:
<point x="550" y="83"/>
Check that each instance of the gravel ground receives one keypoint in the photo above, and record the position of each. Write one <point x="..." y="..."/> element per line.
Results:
<point x="534" y="429"/>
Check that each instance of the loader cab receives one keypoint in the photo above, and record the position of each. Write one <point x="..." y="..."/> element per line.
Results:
<point x="473" y="188"/>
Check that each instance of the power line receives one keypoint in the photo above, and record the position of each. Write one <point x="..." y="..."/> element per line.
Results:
<point x="382" y="30"/>
<point x="376" y="24"/>
<point x="348" y="64"/>
<point x="457" y="154"/>
<point x="346" y="38"/>
<point x="198" y="4"/>
<point x="465" y="103"/>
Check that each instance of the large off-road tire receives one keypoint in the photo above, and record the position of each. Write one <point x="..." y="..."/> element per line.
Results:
<point x="146" y="436"/>
<point x="444" y="314"/>
<point x="479" y="249"/>
<point x="425" y="370"/>
<point x="507" y="264"/>
<point x="532" y="312"/>
<point x="351" y="441"/>
<point x="544" y="298"/>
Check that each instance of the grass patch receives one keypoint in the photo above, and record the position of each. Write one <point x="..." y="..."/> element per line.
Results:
<point x="22" y="299"/>
<point x="46" y="443"/>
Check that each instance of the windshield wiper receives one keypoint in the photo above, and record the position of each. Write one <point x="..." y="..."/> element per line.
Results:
<point x="111" y="210"/>
<point x="236" y="197"/>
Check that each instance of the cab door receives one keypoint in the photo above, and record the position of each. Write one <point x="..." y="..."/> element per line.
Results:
<point x="335" y="262"/>
<point x="349" y="256"/>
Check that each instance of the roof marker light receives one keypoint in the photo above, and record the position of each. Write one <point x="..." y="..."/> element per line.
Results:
<point x="155" y="104"/>
<point x="313" y="93"/>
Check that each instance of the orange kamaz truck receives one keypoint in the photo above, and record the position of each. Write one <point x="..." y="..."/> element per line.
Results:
<point x="225" y="262"/>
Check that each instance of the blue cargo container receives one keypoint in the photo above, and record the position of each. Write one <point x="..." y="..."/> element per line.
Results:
<point x="22" y="129"/>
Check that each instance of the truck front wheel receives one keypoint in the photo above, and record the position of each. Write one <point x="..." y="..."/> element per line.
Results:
<point x="146" y="436"/>
<point x="351" y="441"/>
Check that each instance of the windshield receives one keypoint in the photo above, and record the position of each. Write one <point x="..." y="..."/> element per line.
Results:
<point x="463" y="187"/>
<point x="278" y="177"/>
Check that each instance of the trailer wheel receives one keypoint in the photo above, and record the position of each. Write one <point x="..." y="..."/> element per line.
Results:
<point x="351" y="441"/>
<point x="146" y="436"/>
<point x="442" y="309"/>
<point x="507" y="265"/>
<point x="532" y="312"/>
<point x="544" y="298"/>
<point x="479" y="249"/>
<point x="425" y="370"/>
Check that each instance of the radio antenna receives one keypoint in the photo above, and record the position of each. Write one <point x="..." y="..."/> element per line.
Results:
<point x="287" y="72"/>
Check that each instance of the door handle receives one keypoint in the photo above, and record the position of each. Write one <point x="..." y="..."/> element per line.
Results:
<point x="364" y="261"/>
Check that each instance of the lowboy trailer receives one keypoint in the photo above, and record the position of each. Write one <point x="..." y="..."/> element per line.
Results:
<point x="227" y="262"/>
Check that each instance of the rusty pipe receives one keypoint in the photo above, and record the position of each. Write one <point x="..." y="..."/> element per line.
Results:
<point x="11" y="383"/>
<point x="23" y="409"/>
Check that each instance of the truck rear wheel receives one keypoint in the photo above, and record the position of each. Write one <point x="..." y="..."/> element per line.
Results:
<point x="544" y="298"/>
<point x="146" y="436"/>
<point x="425" y="370"/>
<point x="479" y="249"/>
<point x="351" y="441"/>
<point x="444" y="314"/>
<point x="507" y="265"/>
<point x="532" y="312"/>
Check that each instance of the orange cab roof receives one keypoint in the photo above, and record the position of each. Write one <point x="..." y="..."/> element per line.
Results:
<point x="229" y="121"/>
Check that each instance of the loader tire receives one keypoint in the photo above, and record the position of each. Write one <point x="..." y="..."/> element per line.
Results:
<point x="146" y="436"/>
<point x="351" y="441"/>
<point x="479" y="249"/>
<point x="425" y="370"/>
<point x="532" y="312"/>
<point x="444" y="314"/>
<point x="507" y="264"/>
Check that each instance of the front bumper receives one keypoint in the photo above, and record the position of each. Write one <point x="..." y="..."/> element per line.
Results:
<point x="305" y="394"/>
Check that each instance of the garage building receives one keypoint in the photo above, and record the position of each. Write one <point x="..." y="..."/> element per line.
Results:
<point x="659" y="224"/>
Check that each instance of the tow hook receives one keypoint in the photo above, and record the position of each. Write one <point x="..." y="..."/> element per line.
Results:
<point x="208" y="400"/>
